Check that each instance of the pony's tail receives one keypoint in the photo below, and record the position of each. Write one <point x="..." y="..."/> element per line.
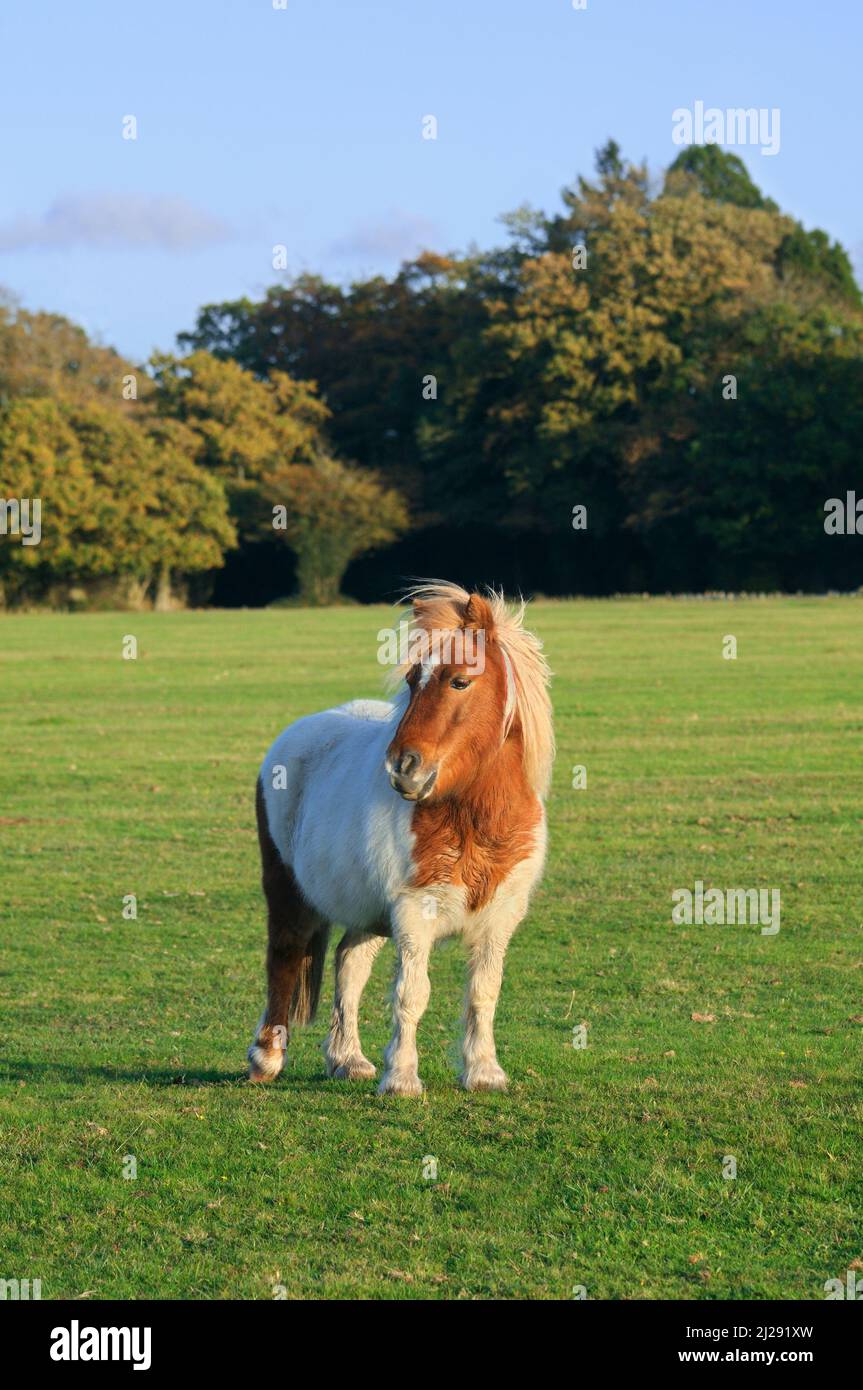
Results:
<point x="307" y="990"/>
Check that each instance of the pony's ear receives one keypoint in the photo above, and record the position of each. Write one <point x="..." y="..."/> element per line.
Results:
<point x="418" y="607"/>
<point x="478" y="614"/>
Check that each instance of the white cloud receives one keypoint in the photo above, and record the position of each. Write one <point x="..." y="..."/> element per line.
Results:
<point x="115" y="221"/>
<point x="396" y="237"/>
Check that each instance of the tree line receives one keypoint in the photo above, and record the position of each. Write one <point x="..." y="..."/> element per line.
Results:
<point x="657" y="387"/>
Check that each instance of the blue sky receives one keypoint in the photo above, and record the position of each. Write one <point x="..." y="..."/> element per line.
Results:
<point x="302" y="126"/>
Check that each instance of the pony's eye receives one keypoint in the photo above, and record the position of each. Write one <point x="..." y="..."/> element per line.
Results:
<point x="459" y="683"/>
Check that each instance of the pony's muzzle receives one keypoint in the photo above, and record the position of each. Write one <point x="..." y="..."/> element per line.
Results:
<point x="410" y="776"/>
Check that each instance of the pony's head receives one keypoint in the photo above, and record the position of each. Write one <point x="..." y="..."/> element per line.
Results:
<point x="476" y="679"/>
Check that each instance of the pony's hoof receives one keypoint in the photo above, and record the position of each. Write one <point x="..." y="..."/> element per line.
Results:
<point x="265" y="1063"/>
<point x="486" y="1076"/>
<point x="354" y="1069"/>
<point x="397" y="1083"/>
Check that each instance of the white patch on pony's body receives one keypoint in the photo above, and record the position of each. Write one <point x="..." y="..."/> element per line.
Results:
<point x="369" y="709"/>
<point x="337" y="822"/>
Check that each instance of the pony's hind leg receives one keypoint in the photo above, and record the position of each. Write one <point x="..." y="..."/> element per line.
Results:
<point x="295" y="954"/>
<point x="342" y="1051"/>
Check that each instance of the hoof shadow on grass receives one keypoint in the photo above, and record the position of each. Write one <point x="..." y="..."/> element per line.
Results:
<point x="157" y="1077"/>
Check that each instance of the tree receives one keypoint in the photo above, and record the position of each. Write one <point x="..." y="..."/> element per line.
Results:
<point x="330" y="514"/>
<point x="601" y="384"/>
<point x="367" y="347"/>
<point x="806" y="259"/>
<point x="47" y="355"/>
<point x="717" y="176"/>
<point x="117" y="502"/>
<point x="810" y="259"/>
<point x="264" y="439"/>
<point x="586" y="362"/>
<point x="243" y="427"/>
<point x="756" y="476"/>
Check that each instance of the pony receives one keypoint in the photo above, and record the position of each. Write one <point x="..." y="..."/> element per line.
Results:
<point x="414" y="819"/>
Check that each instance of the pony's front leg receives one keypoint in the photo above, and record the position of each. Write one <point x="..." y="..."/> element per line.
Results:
<point x="413" y="938"/>
<point x="342" y="1051"/>
<point x="482" y="1071"/>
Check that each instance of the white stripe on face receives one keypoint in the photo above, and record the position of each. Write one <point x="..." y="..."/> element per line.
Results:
<point x="426" y="669"/>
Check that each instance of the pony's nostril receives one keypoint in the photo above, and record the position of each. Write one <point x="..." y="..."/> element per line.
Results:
<point x="408" y="761"/>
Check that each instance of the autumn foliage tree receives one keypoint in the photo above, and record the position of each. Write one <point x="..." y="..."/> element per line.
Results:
<point x="117" y="502"/>
<point x="623" y="354"/>
<point x="264" y="439"/>
<point x="675" y="356"/>
<point x="329" y="514"/>
<point x="148" y="478"/>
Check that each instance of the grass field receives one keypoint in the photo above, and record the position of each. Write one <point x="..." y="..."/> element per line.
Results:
<point x="602" y="1166"/>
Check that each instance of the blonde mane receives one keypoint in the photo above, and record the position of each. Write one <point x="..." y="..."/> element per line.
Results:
<point x="442" y="609"/>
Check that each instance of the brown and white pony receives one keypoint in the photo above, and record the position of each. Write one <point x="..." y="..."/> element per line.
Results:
<point x="416" y="820"/>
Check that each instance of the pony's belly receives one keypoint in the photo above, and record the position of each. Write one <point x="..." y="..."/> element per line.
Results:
<point x="350" y="901"/>
<point x="351" y="859"/>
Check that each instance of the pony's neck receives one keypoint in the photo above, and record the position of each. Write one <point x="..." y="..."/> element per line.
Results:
<point x="476" y="836"/>
<point x="499" y="779"/>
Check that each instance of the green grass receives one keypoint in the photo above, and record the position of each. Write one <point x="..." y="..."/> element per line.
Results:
<point x="601" y="1166"/>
